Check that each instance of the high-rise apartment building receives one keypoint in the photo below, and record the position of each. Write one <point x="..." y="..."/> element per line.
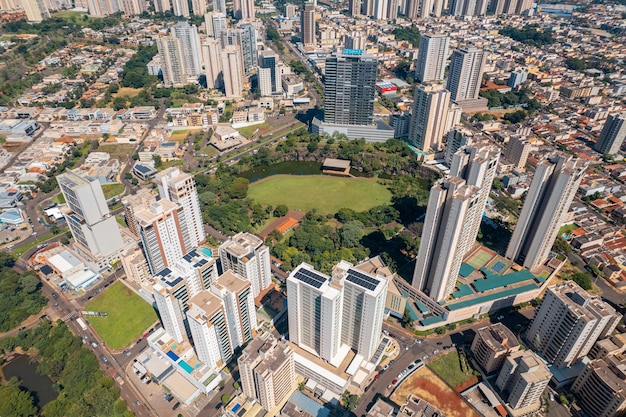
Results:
<point x="99" y="8"/>
<point x="267" y="371"/>
<point x="133" y="7"/>
<point x="612" y="135"/>
<point x="236" y="294"/>
<point x="36" y="10"/>
<point x="219" y="6"/>
<point x="180" y="187"/>
<point x="135" y="265"/>
<point x="248" y="256"/>
<point x="162" y="6"/>
<point x="95" y="231"/>
<point x="190" y="48"/>
<point x="215" y="23"/>
<point x="431" y="57"/>
<point x="162" y="229"/>
<point x="468" y="8"/>
<point x="171" y="61"/>
<point x="355" y="40"/>
<point x="290" y="10"/>
<point x="551" y="192"/>
<point x="314" y="307"/>
<point x="425" y="8"/>
<point x="232" y="72"/>
<point x="264" y="76"/>
<point x="456" y="139"/>
<point x="492" y="344"/>
<point x="212" y="63"/>
<point x="466" y="73"/>
<point x="522" y="379"/>
<point x="517" y="151"/>
<point x="355" y="7"/>
<point x="248" y="47"/>
<point x="243" y="9"/>
<point x="452" y="221"/>
<point x="198" y="7"/>
<point x="569" y="322"/>
<point x="326" y="312"/>
<point x="134" y="202"/>
<point x="209" y="329"/>
<point x="170" y="311"/>
<point x="364" y="297"/>
<point x="601" y="388"/>
<point x="430" y="110"/>
<point x="181" y="8"/>
<point x="349" y="87"/>
<point x="307" y="24"/>
<point x="517" y="78"/>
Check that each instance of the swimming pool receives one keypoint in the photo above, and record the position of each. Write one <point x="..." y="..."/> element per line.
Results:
<point x="207" y="251"/>
<point x="185" y="366"/>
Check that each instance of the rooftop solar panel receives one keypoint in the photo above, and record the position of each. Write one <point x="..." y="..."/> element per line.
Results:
<point x="362" y="280"/>
<point x="310" y="277"/>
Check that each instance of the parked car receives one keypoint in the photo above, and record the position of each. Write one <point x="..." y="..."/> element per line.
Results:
<point x="94" y="344"/>
<point x="104" y="359"/>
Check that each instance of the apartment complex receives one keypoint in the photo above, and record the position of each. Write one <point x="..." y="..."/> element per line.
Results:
<point x="431" y="57"/>
<point x="247" y="255"/>
<point x="492" y="344"/>
<point x="569" y="322"/>
<point x="551" y="192"/>
<point x="267" y="370"/>
<point x="601" y="387"/>
<point x="236" y="294"/>
<point x="522" y="380"/>
<point x="428" y="120"/>
<point x="466" y="73"/>
<point x="613" y="134"/>
<point x="517" y="151"/>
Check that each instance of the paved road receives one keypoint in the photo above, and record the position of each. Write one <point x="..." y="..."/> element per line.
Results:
<point x="426" y="347"/>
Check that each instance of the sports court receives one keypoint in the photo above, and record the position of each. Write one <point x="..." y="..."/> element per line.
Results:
<point x="480" y="257"/>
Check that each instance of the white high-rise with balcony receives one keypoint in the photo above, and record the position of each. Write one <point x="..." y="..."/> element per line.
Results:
<point x="248" y="256"/>
<point x="431" y="57"/>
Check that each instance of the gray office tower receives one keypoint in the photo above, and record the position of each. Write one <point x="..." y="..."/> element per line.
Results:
<point x="612" y="135"/>
<point x="551" y="192"/>
<point x="243" y="39"/>
<point x="349" y="87"/>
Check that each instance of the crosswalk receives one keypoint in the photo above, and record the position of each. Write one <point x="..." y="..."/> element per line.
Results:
<point x="69" y="316"/>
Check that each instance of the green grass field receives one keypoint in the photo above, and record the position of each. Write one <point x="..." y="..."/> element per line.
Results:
<point x="128" y="315"/>
<point x="326" y="194"/>
<point x="249" y="130"/>
<point x="449" y="368"/>
<point x="112" y="189"/>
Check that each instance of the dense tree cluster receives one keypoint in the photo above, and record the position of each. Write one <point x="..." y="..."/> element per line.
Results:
<point x="512" y="98"/>
<point x="83" y="389"/>
<point x="529" y="35"/>
<point x="136" y="71"/>
<point x="408" y="33"/>
<point x="21" y="297"/>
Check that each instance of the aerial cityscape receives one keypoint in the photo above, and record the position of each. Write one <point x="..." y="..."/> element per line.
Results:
<point x="377" y="208"/>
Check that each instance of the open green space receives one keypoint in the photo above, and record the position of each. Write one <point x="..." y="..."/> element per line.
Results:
<point x="59" y="199"/>
<point x="452" y="368"/>
<point x="566" y="230"/>
<point x="113" y="189"/>
<point x="247" y="131"/>
<point x="325" y="194"/>
<point x="128" y="315"/>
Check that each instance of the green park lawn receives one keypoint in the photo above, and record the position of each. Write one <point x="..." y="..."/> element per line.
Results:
<point x="112" y="189"/>
<point x="128" y="315"/>
<point x="324" y="193"/>
<point x="449" y="368"/>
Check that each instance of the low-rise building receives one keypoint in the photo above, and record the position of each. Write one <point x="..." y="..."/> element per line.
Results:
<point x="492" y="344"/>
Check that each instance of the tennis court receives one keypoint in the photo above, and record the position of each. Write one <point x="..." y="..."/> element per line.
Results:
<point x="498" y="267"/>
<point x="480" y="258"/>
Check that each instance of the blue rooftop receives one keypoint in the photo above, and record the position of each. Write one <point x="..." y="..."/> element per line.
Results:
<point x="305" y="403"/>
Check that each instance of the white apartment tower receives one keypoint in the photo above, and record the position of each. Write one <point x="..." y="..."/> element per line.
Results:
<point x="517" y="151"/>
<point x="453" y="219"/>
<point x="314" y="308"/>
<point x="466" y="73"/>
<point x="569" y="322"/>
<point x="551" y="192"/>
<point x="209" y="330"/>
<point x="243" y="9"/>
<point x="248" y="256"/>
<point x="219" y="6"/>
<point x="180" y="187"/>
<point x="430" y="110"/>
<point x="232" y="72"/>
<point x="161" y="6"/>
<point x="133" y="7"/>
<point x="212" y="68"/>
<point x="36" y="10"/>
<point x="198" y="7"/>
<point x="364" y="298"/>
<point x="236" y="294"/>
<point x="267" y="371"/>
<point x="190" y="48"/>
<point x="431" y="57"/>
<point x="181" y="8"/>
<point x="94" y="229"/>
<point x="613" y="134"/>
<point x="171" y="61"/>
<point x="170" y="311"/>
<point x="523" y="378"/>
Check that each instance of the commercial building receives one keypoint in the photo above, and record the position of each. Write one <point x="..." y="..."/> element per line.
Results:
<point x="236" y="294"/>
<point x="466" y="73"/>
<point x="522" y="380"/>
<point x="430" y="110"/>
<point x="492" y="344"/>
<point x="269" y="60"/>
<point x="95" y="231"/>
<point x="569" y="322"/>
<point x="453" y="216"/>
<point x="431" y="57"/>
<point x="612" y="135"/>
<point x="267" y="370"/>
<point x="601" y="388"/>
<point x="180" y="187"/>
<point x="307" y="23"/>
<point x="551" y="192"/>
<point x="349" y="88"/>
<point x="247" y="255"/>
